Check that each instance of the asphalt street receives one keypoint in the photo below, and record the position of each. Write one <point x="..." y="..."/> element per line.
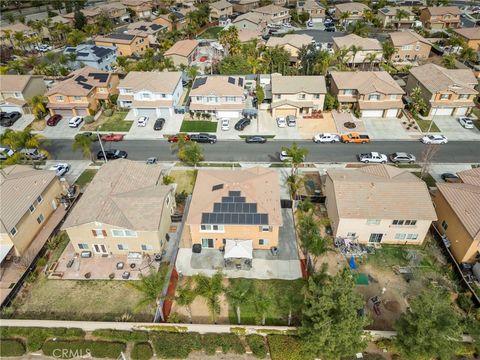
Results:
<point x="453" y="152"/>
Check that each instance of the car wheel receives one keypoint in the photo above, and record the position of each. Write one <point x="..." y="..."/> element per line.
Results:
<point x="366" y="161"/>
<point x="364" y="142"/>
<point x="411" y="162"/>
<point x="333" y="141"/>
<point x="384" y="162"/>
<point x="316" y="141"/>
<point x="397" y="162"/>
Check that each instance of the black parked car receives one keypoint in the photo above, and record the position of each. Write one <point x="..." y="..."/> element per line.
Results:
<point x="112" y="154"/>
<point x="255" y="140"/>
<point x="203" y="138"/>
<point x="242" y="124"/>
<point x="8" y="119"/>
<point x="159" y="124"/>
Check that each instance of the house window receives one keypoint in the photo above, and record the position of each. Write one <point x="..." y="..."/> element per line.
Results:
<point x="316" y="96"/>
<point x="123" y="233"/>
<point x="39" y="199"/>
<point x="168" y="200"/>
<point x="463" y="96"/>
<point x="397" y="222"/>
<point x="77" y="98"/>
<point x="351" y="234"/>
<point x="407" y="47"/>
<point x="212" y="228"/>
<point x="13" y="232"/>
<point x="373" y="222"/>
<point x="412" y="236"/>
<point x="417" y="47"/>
<point x="146" y="96"/>
<point x="40" y="218"/>
<point x="230" y="98"/>
<point x="278" y="96"/>
<point x="444" y="225"/>
<point x="99" y="233"/>
<point x="207" y="243"/>
<point x="83" y="246"/>
<point x="301" y="96"/>
<point x="374" y="97"/>
<point x="410" y="222"/>
<point x="122" y="247"/>
<point x="59" y="98"/>
<point x="375" y="238"/>
<point x="18" y="95"/>
<point x="31" y="208"/>
<point x="348" y="92"/>
<point x="146" y="247"/>
<point x="400" y="236"/>
<point x="393" y="97"/>
<point x="264" y="228"/>
<point x="199" y="98"/>
<point x="444" y="96"/>
<point x="211" y="99"/>
<point x="263" y="242"/>
<point x="164" y="96"/>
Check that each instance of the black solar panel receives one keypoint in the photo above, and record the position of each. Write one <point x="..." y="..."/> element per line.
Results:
<point x="155" y="26"/>
<point x="80" y="78"/>
<point x="99" y="76"/>
<point x="142" y="28"/>
<point x="101" y="51"/>
<point x="199" y="82"/>
<point x="86" y="86"/>
<point x="231" y="80"/>
<point x="240" y="82"/>
<point x="234" y="193"/>
<point x="217" y="187"/>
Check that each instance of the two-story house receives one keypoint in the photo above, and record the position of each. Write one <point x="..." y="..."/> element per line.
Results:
<point x="397" y="17"/>
<point x="125" y="210"/>
<point x="82" y="92"/>
<point x="220" y="9"/>
<point x="16" y="90"/>
<point x="365" y="47"/>
<point x="313" y="8"/>
<point x="297" y="95"/>
<point x="410" y="46"/>
<point x="175" y="20"/>
<point x="273" y="14"/>
<point x="183" y="52"/>
<point x="221" y="96"/>
<point x="292" y="43"/>
<point x="354" y="10"/>
<point x="239" y="205"/>
<point x="440" y="17"/>
<point x="126" y="44"/>
<point x="378" y="204"/>
<point x="471" y="37"/>
<point x="244" y="6"/>
<point x="447" y="92"/>
<point x="250" y="21"/>
<point x="371" y="93"/>
<point x="141" y="8"/>
<point x="98" y="57"/>
<point x="153" y="94"/>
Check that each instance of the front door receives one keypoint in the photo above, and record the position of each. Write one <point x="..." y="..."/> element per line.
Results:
<point x="375" y="238"/>
<point x="100" y="249"/>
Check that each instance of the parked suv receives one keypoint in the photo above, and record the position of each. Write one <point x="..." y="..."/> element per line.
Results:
<point x="159" y="124"/>
<point x="75" y="121"/>
<point x="242" y="124"/>
<point x="112" y="154"/>
<point x="53" y="120"/>
<point x="203" y="138"/>
<point x="8" y="119"/>
<point x="291" y="120"/>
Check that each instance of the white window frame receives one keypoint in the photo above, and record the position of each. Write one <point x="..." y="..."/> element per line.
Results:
<point x="264" y="228"/>
<point x="351" y="234"/>
<point x="444" y="96"/>
<point x="77" y="98"/>
<point x="122" y="247"/>
<point x="207" y="240"/>
<point x="31" y="208"/>
<point x="99" y="233"/>
<point x="373" y="221"/>
<point x="59" y="98"/>
<point x="348" y="92"/>
<point x="39" y="199"/>
<point x="412" y="236"/>
<point x="463" y="96"/>
<point x="13" y="231"/>
<point x="263" y="242"/>
<point x="82" y="246"/>
<point x="211" y="228"/>
<point x="147" y="247"/>
<point x="393" y="97"/>
<point x="374" y="97"/>
<point x="123" y="233"/>
<point x="301" y="96"/>
<point x="400" y="236"/>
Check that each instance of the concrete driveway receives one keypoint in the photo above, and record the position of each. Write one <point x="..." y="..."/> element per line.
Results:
<point x="172" y="126"/>
<point x="451" y="128"/>
<point x="388" y="129"/>
<point x="76" y="168"/>
<point x="20" y="124"/>
<point x="268" y="126"/>
<point x="61" y="130"/>
<point x="252" y="129"/>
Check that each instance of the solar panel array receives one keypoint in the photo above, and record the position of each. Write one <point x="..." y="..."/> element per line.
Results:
<point x="101" y="77"/>
<point x="231" y="80"/>
<point x="199" y="81"/>
<point x="234" y="210"/>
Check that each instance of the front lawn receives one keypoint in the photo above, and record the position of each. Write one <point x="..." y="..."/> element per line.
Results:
<point x="198" y="126"/>
<point x="185" y="180"/>
<point x="113" y="123"/>
<point x="211" y="33"/>
<point x="86" y="177"/>
<point x="425" y="124"/>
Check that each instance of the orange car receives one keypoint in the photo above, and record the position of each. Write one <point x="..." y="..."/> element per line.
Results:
<point x="112" y="137"/>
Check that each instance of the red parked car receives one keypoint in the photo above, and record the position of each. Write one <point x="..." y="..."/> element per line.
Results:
<point x="174" y="138"/>
<point x="53" y="120"/>
<point x="112" y="137"/>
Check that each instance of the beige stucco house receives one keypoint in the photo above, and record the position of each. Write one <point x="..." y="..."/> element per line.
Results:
<point x="313" y="8"/>
<point x="389" y="17"/>
<point x="220" y="8"/>
<point x="441" y="17"/>
<point x="410" y="46"/>
<point x="292" y="43"/>
<point x="471" y="36"/>
<point x="372" y="93"/>
<point x="183" y="52"/>
<point x="274" y="14"/>
<point x="297" y="95"/>
<point x="458" y="211"/>
<point x="16" y="90"/>
<point x="125" y="210"/>
<point x="355" y="11"/>
<point x="378" y="204"/>
<point x="241" y="205"/>
<point x="445" y="91"/>
<point x="244" y="6"/>
<point x="365" y="46"/>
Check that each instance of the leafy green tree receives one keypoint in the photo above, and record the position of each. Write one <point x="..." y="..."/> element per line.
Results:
<point x="449" y="61"/>
<point x="276" y="59"/>
<point x="185" y="296"/>
<point x="75" y="37"/>
<point x="430" y="328"/>
<point x="83" y="143"/>
<point x="400" y="15"/>
<point x="79" y="20"/>
<point x="343" y="17"/>
<point x="331" y="102"/>
<point x="260" y="94"/>
<point x="354" y="50"/>
<point x="297" y="155"/>
<point x="234" y="65"/>
<point x="388" y="50"/>
<point x="331" y="327"/>
<point x="468" y="54"/>
<point x="191" y="153"/>
<point x="310" y="238"/>
<point x="358" y="28"/>
<point x="150" y="286"/>
<point x="303" y="17"/>
<point x="38" y="105"/>
<point x="229" y="39"/>
<point x="239" y="293"/>
<point x="418" y="105"/>
<point x="104" y="23"/>
<point x="210" y="288"/>
<point x="17" y="140"/>
<point x="294" y="182"/>
<point x="263" y="302"/>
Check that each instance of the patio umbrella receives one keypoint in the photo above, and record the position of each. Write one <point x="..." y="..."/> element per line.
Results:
<point x="238" y="249"/>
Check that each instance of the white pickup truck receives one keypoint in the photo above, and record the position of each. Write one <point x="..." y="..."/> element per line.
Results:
<point x="373" y="157"/>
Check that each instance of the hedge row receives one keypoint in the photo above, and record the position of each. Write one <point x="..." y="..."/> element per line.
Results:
<point x="35" y="336"/>
<point x="141" y="351"/>
<point x="227" y="342"/>
<point x="285" y="347"/>
<point x="175" y="345"/>
<point x="69" y="349"/>
<point x="256" y="343"/>
<point x="121" y="335"/>
<point x="11" y="347"/>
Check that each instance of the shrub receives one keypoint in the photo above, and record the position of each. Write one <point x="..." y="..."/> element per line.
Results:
<point x="121" y="335"/>
<point x="175" y="345"/>
<point x="42" y="261"/>
<point x="228" y="343"/>
<point x="88" y="119"/>
<point x="68" y="349"/>
<point x="283" y="347"/>
<point x="256" y="343"/>
<point x="108" y="112"/>
<point x="11" y="347"/>
<point x="167" y="180"/>
<point x="142" y="351"/>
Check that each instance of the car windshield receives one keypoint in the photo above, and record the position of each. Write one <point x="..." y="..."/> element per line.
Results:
<point x="116" y="152"/>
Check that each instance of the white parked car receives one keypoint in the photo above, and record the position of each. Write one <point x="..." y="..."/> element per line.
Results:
<point x="326" y="138"/>
<point x="60" y="168"/>
<point x="285" y="157"/>
<point x="281" y="122"/>
<point x="75" y="121"/>
<point x="434" y="139"/>
<point x="225" y="124"/>
<point x="466" y="122"/>
<point x="42" y="48"/>
<point x="373" y="157"/>
<point x="142" y="121"/>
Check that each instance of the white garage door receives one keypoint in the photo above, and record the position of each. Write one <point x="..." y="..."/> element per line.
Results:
<point x="462" y="111"/>
<point x="66" y="113"/>
<point x="82" y="112"/>
<point x="284" y="112"/>
<point x="164" y="113"/>
<point x="10" y="108"/>
<point x="372" y="113"/>
<point x="392" y="113"/>
<point x="228" y="114"/>
<point x="442" y="111"/>
<point x="151" y="113"/>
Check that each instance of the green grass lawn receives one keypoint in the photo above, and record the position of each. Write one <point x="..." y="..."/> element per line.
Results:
<point x="198" y="126"/>
<point x="425" y="124"/>
<point x="428" y="179"/>
<point x="185" y="180"/>
<point x="283" y="294"/>
<point x="211" y="33"/>
<point x="115" y="122"/>
<point x="86" y="177"/>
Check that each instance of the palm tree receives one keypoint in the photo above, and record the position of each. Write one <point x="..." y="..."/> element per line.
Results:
<point x="150" y="286"/>
<point x="75" y="37"/>
<point x="38" y="105"/>
<point x="263" y="301"/>
<point x="388" y="50"/>
<point x="185" y="297"/>
<point x="371" y="58"/>
<point x="19" y="38"/>
<point x="191" y="153"/>
<point x="344" y="16"/>
<point x="294" y="182"/>
<point x="359" y="28"/>
<point x="83" y="143"/>
<point x="23" y="139"/>
<point x="400" y="15"/>
<point x="449" y="61"/>
<point x="354" y="50"/>
<point x="368" y="15"/>
<point x="17" y="66"/>
<point x="297" y="155"/>
<point x="210" y="289"/>
<point x="468" y="54"/>
<point x="7" y="34"/>
<point x="239" y="293"/>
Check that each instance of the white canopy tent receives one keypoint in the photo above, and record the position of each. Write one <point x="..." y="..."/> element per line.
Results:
<point x="238" y="249"/>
